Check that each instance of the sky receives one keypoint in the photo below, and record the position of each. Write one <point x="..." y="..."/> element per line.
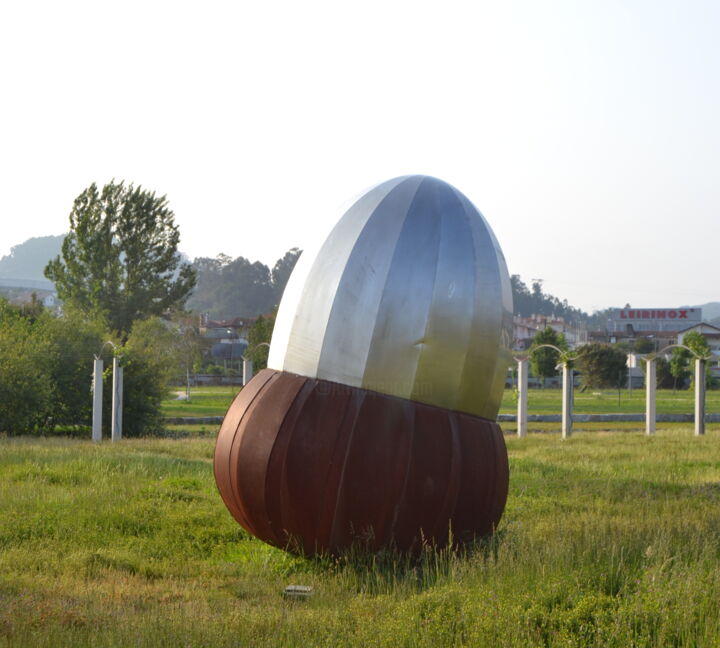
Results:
<point x="586" y="132"/>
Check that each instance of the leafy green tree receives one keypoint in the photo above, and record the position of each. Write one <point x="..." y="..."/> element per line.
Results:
<point x="544" y="360"/>
<point x="147" y="370"/>
<point x="76" y="340"/>
<point x="663" y="377"/>
<point x="27" y="358"/>
<point x="680" y="366"/>
<point x="528" y="301"/>
<point x="602" y="365"/>
<point x="699" y="344"/>
<point x="644" y="345"/>
<point x="120" y="259"/>
<point x="259" y="335"/>
<point x="229" y="288"/>
<point x="281" y="272"/>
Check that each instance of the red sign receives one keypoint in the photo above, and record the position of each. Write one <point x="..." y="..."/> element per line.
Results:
<point x="639" y="313"/>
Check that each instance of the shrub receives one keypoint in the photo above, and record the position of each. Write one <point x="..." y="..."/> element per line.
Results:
<point x="602" y="365"/>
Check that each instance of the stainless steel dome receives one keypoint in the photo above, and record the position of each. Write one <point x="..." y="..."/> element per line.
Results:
<point x="409" y="296"/>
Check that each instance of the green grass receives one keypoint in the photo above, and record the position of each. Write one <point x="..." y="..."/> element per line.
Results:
<point x="608" y="539"/>
<point x="214" y="401"/>
<point x="596" y="401"/>
<point x="204" y="401"/>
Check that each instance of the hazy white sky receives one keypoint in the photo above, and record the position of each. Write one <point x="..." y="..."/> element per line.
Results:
<point x="585" y="131"/>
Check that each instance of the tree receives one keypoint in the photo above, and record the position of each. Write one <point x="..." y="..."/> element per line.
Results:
<point x="697" y="342"/>
<point x="679" y="366"/>
<point x="120" y="259"/>
<point x="27" y="358"/>
<point x="76" y="339"/>
<point x="261" y="332"/>
<point x="147" y="369"/>
<point x="229" y="288"/>
<point x="602" y="365"/>
<point x="663" y="377"/>
<point x="644" y="345"/>
<point x="544" y="360"/>
<point x="281" y="272"/>
<point x="699" y="345"/>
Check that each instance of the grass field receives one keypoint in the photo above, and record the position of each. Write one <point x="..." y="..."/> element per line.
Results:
<point x="214" y="401"/>
<point x="608" y="540"/>
<point x="204" y="401"/>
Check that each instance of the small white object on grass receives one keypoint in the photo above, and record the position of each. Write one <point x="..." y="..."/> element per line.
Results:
<point x="298" y="591"/>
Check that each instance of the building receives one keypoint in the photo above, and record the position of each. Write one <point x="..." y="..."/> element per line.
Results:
<point x="660" y="325"/>
<point x="639" y="322"/>
<point x="710" y="332"/>
<point x="526" y="328"/>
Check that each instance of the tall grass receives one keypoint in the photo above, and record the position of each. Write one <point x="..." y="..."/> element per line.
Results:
<point x="607" y="540"/>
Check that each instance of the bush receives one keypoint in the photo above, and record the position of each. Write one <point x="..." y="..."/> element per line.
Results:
<point x="602" y="366"/>
<point x="27" y="358"/>
<point x="46" y="371"/>
<point x="150" y="361"/>
<point x="76" y="341"/>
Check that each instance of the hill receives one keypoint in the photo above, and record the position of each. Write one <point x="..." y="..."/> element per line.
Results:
<point x="27" y="260"/>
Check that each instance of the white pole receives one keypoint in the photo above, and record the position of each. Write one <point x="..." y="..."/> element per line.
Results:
<point x="522" y="411"/>
<point x="699" y="397"/>
<point x="121" y="372"/>
<point x="567" y="394"/>
<point x="97" y="400"/>
<point x="650" y="386"/>
<point x="247" y="371"/>
<point x="116" y="421"/>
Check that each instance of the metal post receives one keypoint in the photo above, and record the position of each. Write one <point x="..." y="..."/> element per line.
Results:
<point x="247" y="371"/>
<point x="116" y="421"/>
<point x="522" y="410"/>
<point x="650" y="386"/>
<point x="97" y="386"/>
<point x="567" y="394"/>
<point x="699" y="396"/>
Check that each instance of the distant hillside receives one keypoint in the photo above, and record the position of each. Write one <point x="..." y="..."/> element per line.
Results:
<point x="710" y="311"/>
<point x="27" y="260"/>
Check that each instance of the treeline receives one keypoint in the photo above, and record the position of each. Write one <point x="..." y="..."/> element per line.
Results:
<point x="229" y="288"/>
<point x="533" y="301"/>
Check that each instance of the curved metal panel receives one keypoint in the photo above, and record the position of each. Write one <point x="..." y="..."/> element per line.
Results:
<point x="409" y="296"/>
<point x="349" y="333"/>
<point x="315" y="467"/>
<point x="310" y="298"/>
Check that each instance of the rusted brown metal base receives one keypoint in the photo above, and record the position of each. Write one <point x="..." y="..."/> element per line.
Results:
<point x="316" y="467"/>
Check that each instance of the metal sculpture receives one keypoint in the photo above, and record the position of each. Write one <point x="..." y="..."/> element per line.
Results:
<point x="376" y="422"/>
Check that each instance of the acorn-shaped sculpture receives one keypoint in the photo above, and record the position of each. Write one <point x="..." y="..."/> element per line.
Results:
<point x="375" y="421"/>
